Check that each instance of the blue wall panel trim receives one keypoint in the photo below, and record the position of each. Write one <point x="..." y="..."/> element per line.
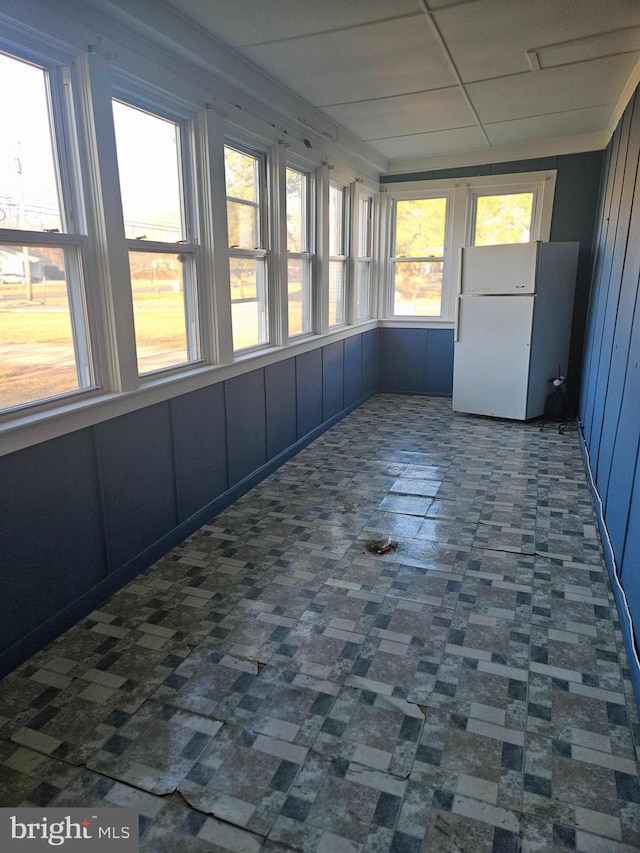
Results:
<point x="136" y="472"/>
<point x="332" y="379"/>
<point x="369" y="362"/>
<point x="51" y="532"/>
<point x="309" y="391"/>
<point x="246" y="424"/>
<point x="280" y="385"/>
<point x="439" y="374"/>
<point x="200" y="448"/>
<point x="353" y="370"/>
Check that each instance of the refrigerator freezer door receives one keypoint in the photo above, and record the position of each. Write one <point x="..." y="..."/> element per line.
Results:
<point x="491" y="365"/>
<point x="508" y="269"/>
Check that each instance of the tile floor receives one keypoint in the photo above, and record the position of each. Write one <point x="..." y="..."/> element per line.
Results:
<point x="272" y="685"/>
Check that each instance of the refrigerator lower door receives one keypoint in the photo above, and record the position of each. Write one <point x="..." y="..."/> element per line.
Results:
<point x="492" y="355"/>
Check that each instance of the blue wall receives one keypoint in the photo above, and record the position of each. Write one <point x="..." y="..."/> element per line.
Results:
<point x="610" y="400"/>
<point x="86" y="512"/>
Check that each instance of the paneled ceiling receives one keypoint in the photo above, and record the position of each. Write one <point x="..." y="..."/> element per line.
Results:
<point x="443" y="80"/>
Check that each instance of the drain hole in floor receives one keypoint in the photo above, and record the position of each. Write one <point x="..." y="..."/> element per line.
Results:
<point x="380" y="546"/>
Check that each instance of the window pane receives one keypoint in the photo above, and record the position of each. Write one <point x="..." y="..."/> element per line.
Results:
<point x="242" y="172"/>
<point x="363" y="290"/>
<point x="336" y="213"/>
<point x="336" y="292"/>
<point x="37" y="354"/>
<point x="420" y="228"/>
<point x="248" y="302"/>
<point x="296" y="211"/>
<point x="364" y="237"/>
<point x="159" y="307"/>
<point x="241" y="175"/>
<point x="243" y="225"/>
<point x="417" y="288"/>
<point x="28" y="185"/>
<point x="503" y="219"/>
<point x="299" y="278"/>
<point x="149" y="168"/>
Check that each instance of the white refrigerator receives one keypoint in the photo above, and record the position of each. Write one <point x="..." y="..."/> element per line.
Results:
<point x="513" y="327"/>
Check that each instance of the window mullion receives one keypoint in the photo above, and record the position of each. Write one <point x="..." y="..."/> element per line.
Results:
<point x="278" y="243"/>
<point x="107" y="252"/>
<point x="215" y="295"/>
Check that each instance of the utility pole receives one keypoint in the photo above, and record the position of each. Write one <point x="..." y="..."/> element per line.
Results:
<point x="26" y="260"/>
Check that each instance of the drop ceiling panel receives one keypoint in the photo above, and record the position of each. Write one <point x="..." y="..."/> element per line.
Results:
<point x="573" y="123"/>
<point x="243" y="22"/>
<point x="431" y="144"/>
<point x="490" y="38"/>
<point x="419" y="113"/>
<point x="554" y="90"/>
<point x="374" y="61"/>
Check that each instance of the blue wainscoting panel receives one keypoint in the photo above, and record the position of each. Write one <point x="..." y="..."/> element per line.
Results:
<point x="624" y="452"/>
<point x="280" y="384"/>
<point x="596" y="354"/>
<point x="136" y="470"/>
<point x="246" y="424"/>
<point x="402" y="360"/>
<point x="630" y="561"/>
<point x="416" y="361"/>
<point x="50" y="530"/>
<point x="332" y="380"/>
<point x="200" y="446"/>
<point x="353" y="370"/>
<point x="439" y="374"/>
<point x="369" y="362"/>
<point x="309" y="391"/>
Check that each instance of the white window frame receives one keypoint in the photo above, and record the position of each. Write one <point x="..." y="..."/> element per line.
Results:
<point x="460" y="226"/>
<point x="362" y="228"/>
<point x="307" y="257"/>
<point x="342" y="257"/>
<point x="260" y="253"/>
<point x="72" y="239"/>
<point x="447" y="252"/>
<point x="189" y="245"/>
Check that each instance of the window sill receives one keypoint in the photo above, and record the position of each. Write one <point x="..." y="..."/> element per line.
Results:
<point x="39" y="424"/>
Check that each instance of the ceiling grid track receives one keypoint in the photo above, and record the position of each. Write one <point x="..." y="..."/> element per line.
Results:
<point x="443" y="46"/>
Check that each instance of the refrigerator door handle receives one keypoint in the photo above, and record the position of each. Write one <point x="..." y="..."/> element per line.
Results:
<point x="456" y="334"/>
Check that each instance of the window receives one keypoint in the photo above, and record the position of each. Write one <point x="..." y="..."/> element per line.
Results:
<point x="427" y="222"/>
<point x="364" y="258"/>
<point x="417" y="262"/>
<point x="162" y="248"/>
<point x="245" y="174"/>
<point x="44" y="341"/>
<point x="503" y="218"/>
<point x="337" y="255"/>
<point x="299" y="251"/>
